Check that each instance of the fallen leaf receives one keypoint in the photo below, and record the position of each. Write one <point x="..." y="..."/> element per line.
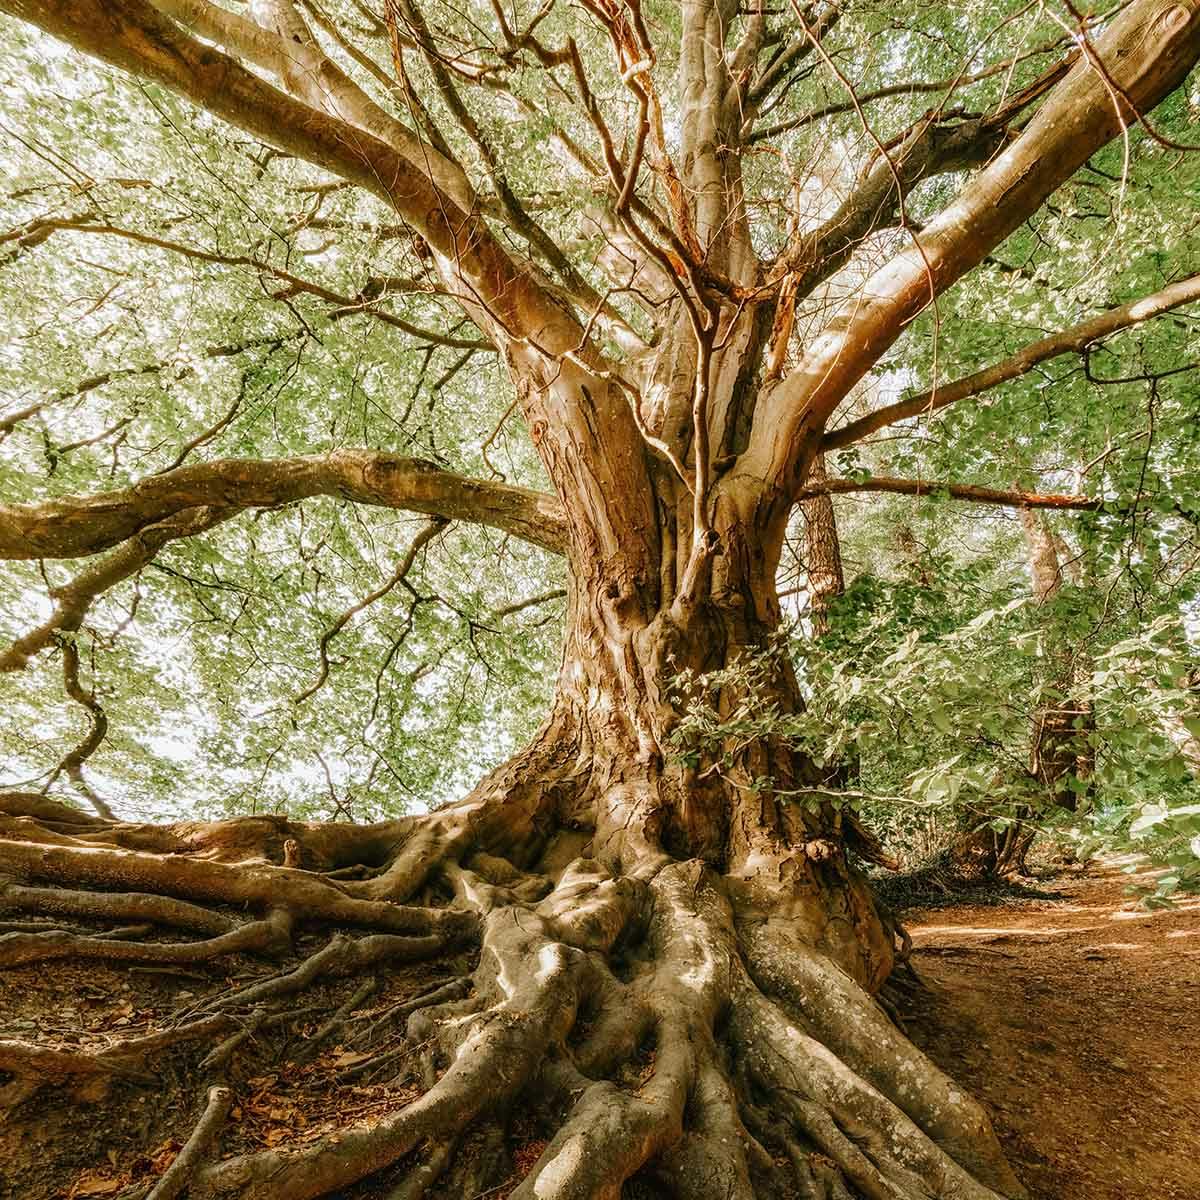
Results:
<point x="96" y="1183"/>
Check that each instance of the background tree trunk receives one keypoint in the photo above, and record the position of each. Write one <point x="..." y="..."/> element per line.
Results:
<point x="822" y="552"/>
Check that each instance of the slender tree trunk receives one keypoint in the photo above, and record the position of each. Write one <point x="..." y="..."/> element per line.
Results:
<point x="822" y="552"/>
<point x="1184" y="739"/>
<point x="1060" y="751"/>
<point x="1059" y="747"/>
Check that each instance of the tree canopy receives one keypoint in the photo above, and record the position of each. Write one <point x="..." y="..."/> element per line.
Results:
<point x="179" y="291"/>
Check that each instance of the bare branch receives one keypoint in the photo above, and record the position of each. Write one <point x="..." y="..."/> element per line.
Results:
<point x="12" y="418"/>
<point x="423" y="538"/>
<point x="73" y="526"/>
<point x="73" y="599"/>
<point x="343" y="305"/>
<point x="1074" y="340"/>
<point x="521" y="605"/>
<point x="958" y="491"/>
<point x="908" y="88"/>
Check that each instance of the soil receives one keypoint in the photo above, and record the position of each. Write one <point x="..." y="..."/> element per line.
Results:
<point x="1076" y="1021"/>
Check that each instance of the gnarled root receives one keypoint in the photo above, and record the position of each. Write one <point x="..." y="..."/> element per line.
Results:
<point x="578" y="1026"/>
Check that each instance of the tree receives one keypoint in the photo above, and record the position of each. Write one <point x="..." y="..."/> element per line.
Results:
<point x="635" y="909"/>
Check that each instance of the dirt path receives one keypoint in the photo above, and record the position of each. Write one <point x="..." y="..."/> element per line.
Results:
<point x="1076" y="1020"/>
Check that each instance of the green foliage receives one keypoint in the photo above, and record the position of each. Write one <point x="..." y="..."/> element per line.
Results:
<point x="198" y="662"/>
<point x="934" y="664"/>
<point x="932" y="703"/>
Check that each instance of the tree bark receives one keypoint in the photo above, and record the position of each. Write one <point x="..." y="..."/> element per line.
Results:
<point x="822" y="549"/>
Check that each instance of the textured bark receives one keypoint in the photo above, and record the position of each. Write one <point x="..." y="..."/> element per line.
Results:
<point x="71" y="526"/>
<point x="635" y="916"/>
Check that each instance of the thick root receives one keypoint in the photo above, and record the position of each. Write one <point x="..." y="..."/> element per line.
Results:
<point x="114" y="906"/>
<point x="854" y="1027"/>
<point x="585" y="1029"/>
<point x="272" y="934"/>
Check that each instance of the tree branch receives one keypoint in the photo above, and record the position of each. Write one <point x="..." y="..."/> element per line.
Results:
<point x="73" y="526"/>
<point x="342" y="304"/>
<point x="307" y="72"/>
<point x="909" y="88"/>
<point x="11" y="419"/>
<point x="1073" y="340"/>
<point x="423" y="538"/>
<point x="73" y="599"/>
<point x="521" y="605"/>
<point x="1149" y="49"/>
<point x="135" y="36"/>
<point x="932" y="146"/>
<point x="573" y="410"/>
<point x="958" y="491"/>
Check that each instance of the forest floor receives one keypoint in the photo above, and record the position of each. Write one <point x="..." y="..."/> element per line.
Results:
<point x="1075" y="1018"/>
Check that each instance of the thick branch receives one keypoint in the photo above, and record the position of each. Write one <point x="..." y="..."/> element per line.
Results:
<point x="1148" y="50"/>
<point x="307" y="72"/>
<point x="1073" y="340"/>
<point x="932" y="147"/>
<point x="135" y="36"/>
<point x="72" y="526"/>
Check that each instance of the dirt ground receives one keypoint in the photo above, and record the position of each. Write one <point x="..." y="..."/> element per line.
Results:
<point x="1076" y="1020"/>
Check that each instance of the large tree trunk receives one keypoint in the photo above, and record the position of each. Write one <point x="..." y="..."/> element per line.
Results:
<point x="675" y="968"/>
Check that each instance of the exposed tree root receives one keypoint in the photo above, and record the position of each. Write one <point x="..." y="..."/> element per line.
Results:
<point x="642" y="1018"/>
<point x="270" y="934"/>
<point x="117" y="906"/>
<point x="336" y="1022"/>
<point x="175" y="1178"/>
<point x="21" y="1058"/>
